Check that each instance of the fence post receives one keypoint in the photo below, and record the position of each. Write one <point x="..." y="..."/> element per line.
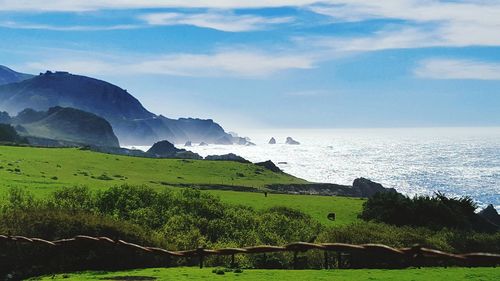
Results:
<point x="339" y="259"/>
<point x="326" y="259"/>
<point x="295" y="262"/>
<point x="233" y="264"/>
<point x="200" y="255"/>
<point x="417" y="256"/>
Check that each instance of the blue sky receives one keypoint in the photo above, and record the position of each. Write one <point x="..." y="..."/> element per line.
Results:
<point x="275" y="64"/>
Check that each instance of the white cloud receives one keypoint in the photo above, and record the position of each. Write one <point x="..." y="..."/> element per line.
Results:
<point x="89" y="5"/>
<point x="382" y="40"/>
<point x="428" y="23"/>
<point x="220" y="21"/>
<point x="234" y="63"/>
<point x="458" y="69"/>
<point x="19" y="25"/>
<point x="406" y="37"/>
<point x="483" y="12"/>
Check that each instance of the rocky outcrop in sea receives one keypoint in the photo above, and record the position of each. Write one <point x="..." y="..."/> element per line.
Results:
<point x="290" y="140"/>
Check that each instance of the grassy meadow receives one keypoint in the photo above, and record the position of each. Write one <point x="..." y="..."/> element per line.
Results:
<point x="345" y="208"/>
<point x="187" y="273"/>
<point x="42" y="170"/>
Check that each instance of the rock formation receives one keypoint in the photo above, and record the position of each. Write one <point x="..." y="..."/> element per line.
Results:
<point x="291" y="141"/>
<point x="272" y="141"/>
<point x="227" y="157"/>
<point x="165" y="149"/>
<point x="361" y="188"/>
<point x="368" y="188"/>
<point x="270" y="166"/>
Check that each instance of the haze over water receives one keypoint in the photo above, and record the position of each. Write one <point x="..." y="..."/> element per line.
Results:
<point x="456" y="161"/>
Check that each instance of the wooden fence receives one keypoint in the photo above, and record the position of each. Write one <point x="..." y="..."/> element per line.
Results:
<point x="366" y="255"/>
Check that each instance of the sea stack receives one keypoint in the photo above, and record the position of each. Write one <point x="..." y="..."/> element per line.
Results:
<point x="291" y="141"/>
<point x="272" y="141"/>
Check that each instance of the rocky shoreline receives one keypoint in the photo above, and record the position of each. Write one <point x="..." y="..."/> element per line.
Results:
<point x="361" y="187"/>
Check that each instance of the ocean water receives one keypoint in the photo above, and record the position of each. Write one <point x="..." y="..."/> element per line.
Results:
<point x="456" y="161"/>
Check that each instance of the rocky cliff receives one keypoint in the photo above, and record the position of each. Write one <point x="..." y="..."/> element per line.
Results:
<point x="132" y="123"/>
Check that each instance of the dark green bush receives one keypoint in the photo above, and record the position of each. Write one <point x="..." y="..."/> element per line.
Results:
<point x="435" y="212"/>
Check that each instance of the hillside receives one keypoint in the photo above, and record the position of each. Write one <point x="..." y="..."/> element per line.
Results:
<point x="67" y="124"/>
<point x="8" y="75"/>
<point x="41" y="170"/>
<point x="132" y="123"/>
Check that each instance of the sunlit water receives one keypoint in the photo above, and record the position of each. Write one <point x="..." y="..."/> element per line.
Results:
<point x="456" y="161"/>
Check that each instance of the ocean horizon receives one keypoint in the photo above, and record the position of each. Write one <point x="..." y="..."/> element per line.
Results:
<point x="462" y="161"/>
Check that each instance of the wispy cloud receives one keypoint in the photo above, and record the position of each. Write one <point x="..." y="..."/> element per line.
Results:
<point x="405" y="37"/>
<point x="458" y="69"/>
<point x="23" y="25"/>
<point x="427" y="23"/>
<point x="89" y="5"/>
<point x="233" y="63"/>
<point x="402" y="38"/>
<point x="215" y="20"/>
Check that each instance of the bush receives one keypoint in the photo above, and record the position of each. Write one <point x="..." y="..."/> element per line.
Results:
<point x="445" y="239"/>
<point x="434" y="212"/>
<point x="185" y="219"/>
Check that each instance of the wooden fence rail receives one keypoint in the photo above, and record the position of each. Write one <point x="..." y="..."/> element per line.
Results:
<point x="414" y="256"/>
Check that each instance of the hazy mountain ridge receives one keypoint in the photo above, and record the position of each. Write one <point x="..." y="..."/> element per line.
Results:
<point x="131" y="122"/>
<point x="8" y="75"/>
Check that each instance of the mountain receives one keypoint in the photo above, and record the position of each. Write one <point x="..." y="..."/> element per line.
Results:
<point x="132" y="123"/>
<point x="65" y="124"/>
<point x="8" y="75"/>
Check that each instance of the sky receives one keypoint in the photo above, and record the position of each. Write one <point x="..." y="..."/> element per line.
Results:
<point x="274" y="64"/>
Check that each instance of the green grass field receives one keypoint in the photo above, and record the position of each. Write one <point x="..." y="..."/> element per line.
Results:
<point x="42" y="170"/>
<point x="186" y="273"/>
<point x="346" y="209"/>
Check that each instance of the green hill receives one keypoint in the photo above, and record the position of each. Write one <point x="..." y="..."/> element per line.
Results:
<point x="42" y="170"/>
<point x="69" y="124"/>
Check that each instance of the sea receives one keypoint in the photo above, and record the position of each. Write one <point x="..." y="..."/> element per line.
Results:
<point x="414" y="161"/>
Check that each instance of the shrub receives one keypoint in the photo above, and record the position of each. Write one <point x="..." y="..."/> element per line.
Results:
<point x="435" y="212"/>
<point x="449" y="240"/>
